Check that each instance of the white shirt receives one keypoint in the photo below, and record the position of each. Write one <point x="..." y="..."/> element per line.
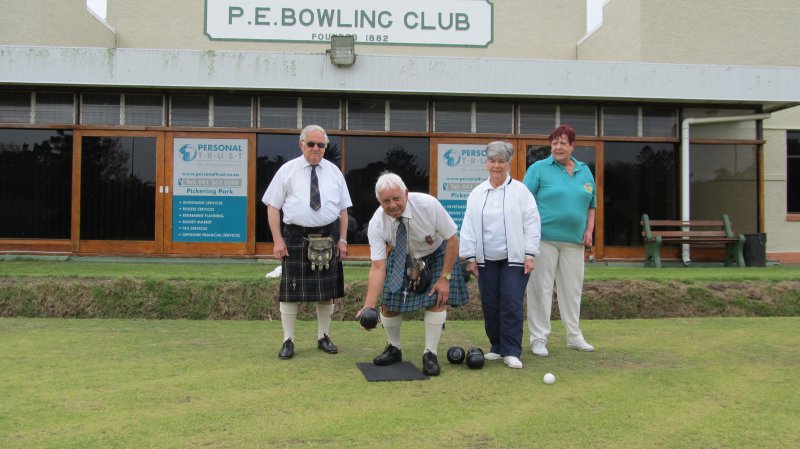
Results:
<point x="290" y="191"/>
<point x="494" y="224"/>
<point x="521" y="223"/>
<point x="427" y="222"/>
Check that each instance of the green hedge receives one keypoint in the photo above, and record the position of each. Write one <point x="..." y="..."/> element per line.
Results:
<point x="255" y="300"/>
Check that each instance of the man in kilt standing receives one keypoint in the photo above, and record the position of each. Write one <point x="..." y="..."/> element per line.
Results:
<point x="417" y="227"/>
<point x="312" y="194"/>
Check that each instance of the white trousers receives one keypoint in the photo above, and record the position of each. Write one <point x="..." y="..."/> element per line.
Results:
<point x="561" y="264"/>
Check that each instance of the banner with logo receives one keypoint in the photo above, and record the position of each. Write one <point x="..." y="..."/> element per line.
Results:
<point x="461" y="23"/>
<point x="209" y="190"/>
<point x="461" y="168"/>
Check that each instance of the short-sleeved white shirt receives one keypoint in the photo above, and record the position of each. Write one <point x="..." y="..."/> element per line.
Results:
<point x="290" y="191"/>
<point x="427" y="222"/>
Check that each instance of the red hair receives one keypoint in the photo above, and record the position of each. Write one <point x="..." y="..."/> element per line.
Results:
<point x="563" y="130"/>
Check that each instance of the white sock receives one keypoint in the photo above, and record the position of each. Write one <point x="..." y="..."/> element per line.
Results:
<point x="391" y="324"/>
<point x="288" y="318"/>
<point x="324" y="313"/>
<point x="434" y="322"/>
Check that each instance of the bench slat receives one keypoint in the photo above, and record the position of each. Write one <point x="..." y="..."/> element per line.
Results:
<point x="679" y="223"/>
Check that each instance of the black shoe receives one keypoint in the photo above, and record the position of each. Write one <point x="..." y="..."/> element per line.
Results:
<point x="287" y="351"/>
<point x="430" y="364"/>
<point x="325" y="344"/>
<point x="389" y="356"/>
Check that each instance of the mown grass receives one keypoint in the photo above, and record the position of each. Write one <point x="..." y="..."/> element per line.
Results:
<point x="676" y="383"/>
<point x="248" y="269"/>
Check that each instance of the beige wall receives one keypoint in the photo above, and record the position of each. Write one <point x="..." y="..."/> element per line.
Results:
<point x="526" y="29"/>
<point x="57" y="23"/>
<point x="740" y="32"/>
<point x="619" y="36"/>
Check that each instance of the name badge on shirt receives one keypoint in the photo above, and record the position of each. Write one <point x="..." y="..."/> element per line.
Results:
<point x="429" y="239"/>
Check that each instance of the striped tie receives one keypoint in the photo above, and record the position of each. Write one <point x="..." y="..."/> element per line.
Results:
<point x="397" y="276"/>
<point x="315" y="202"/>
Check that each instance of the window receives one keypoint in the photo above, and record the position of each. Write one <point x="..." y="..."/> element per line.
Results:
<point x="55" y="108"/>
<point x="581" y="118"/>
<point x="367" y="158"/>
<point x="724" y="180"/>
<point x="324" y="112"/>
<point x="233" y="111"/>
<point x="537" y="118"/>
<point x="453" y="116"/>
<point x="726" y="130"/>
<point x="35" y="183"/>
<point x="118" y="192"/>
<point x="278" y="112"/>
<point x="659" y="122"/>
<point x="15" y="107"/>
<point x="494" y="117"/>
<point x="620" y="121"/>
<point x="367" y="115"/>
<point x="793" y="172"/>
<point x="639" y="178"/>
<point x="408" y="115"/>
<point x="144" y="109"/>
<point x="100" y="109"/>
<point x="189" y="110"/>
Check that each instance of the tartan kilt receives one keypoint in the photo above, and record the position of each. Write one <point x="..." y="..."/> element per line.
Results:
<point x="299" y="283"/>
<point x="395" y="302"/>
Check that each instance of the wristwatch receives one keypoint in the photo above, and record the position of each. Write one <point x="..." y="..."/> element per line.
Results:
<point x="447" y="276"/>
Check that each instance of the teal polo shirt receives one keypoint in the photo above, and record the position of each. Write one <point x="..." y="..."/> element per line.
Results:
<point x="563" y="200"/>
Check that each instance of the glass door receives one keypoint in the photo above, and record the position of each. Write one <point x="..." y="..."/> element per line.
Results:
<point x="118" y="192"/>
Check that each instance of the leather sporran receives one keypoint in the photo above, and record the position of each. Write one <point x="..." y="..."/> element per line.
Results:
<point x="419" y="276"/>
<point x="320" y="252"/>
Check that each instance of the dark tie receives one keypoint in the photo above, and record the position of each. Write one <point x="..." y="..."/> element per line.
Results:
<point x="315" y="202"/>
<point x="397" y="276"/>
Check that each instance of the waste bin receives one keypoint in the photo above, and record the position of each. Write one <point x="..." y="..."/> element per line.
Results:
<point x="755" y="250"/>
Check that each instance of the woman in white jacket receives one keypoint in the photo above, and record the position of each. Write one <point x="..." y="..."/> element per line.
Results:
<point x="499" y="240"/>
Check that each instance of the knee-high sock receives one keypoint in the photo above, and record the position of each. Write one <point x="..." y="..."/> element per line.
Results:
<point x="324" y="313"/>
<point x="288" y="318"/>
<point x="434" y="321"/>
<point x="392" y="327"/>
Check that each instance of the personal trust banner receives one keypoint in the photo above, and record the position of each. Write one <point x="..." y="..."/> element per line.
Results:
<point x="209" y="190"/>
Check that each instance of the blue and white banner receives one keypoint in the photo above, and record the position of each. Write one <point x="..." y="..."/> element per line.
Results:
<point x="461" y="168"/>
<point x="209" y="190"/>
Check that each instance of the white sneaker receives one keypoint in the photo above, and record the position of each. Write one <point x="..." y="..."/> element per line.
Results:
<point x="581" y="345"/>
<point x="276" y="273"/>
<point x="539" y="348"/>
<point x="492" y="356"/>
<point x="512" y="362"/>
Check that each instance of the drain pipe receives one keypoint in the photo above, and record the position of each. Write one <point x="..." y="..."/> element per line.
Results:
<point x="685" y="124"/>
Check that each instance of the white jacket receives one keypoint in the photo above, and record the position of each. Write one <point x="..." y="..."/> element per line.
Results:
<point x="522" y="223"/>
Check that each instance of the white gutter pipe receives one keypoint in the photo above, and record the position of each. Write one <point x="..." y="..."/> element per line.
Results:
<point x="685" y="124"/>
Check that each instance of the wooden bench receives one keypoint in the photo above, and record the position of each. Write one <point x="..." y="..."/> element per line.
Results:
<point x="694" y="232"/>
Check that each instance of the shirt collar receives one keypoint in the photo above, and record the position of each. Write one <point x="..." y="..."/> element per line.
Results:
<point x="487" y="185"/>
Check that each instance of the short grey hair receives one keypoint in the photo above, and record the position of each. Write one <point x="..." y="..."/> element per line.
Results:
<point x="310" y="128"/>
<point x="389" y="180"/>
<point x="501" y="149"/>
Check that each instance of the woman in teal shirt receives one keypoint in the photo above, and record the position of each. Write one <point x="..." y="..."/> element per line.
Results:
<point x="566" y="195"/>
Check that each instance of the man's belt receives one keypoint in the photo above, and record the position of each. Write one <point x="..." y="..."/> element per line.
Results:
<point x="305" y="231"/>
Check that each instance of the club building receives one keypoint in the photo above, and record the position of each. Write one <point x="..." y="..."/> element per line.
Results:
<point x="156" y="131"/>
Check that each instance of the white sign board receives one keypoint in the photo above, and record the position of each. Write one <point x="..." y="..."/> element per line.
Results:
<point x="462" y="23"/>
<point x="461" y="167"/>
<point x="209" y="190"/>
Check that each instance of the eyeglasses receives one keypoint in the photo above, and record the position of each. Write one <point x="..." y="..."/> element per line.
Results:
<point x="320" y="145"/>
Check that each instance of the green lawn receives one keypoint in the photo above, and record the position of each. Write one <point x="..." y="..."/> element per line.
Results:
<point x="249" y="269"/>
<point x="678" y="383"/>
